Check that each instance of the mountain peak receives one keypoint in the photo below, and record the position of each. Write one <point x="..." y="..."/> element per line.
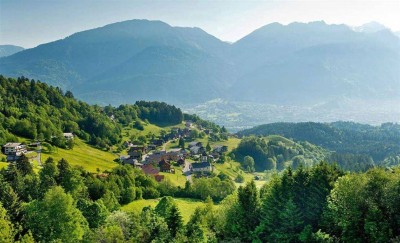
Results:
<point x="370" y="27"/>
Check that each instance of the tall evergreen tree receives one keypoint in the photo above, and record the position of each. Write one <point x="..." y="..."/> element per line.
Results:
<point x="174" y="220"/>
<point x="24" y="166"/>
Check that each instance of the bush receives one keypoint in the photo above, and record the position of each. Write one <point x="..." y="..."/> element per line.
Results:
<point x="239" y="179"/>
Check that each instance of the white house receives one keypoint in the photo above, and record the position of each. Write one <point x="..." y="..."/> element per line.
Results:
<point x="68" y="135"/>
<point x="16" y="149"/>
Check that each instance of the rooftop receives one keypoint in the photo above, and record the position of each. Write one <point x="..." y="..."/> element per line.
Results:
<point x="200" y="165"/>
<point x="12" y="145"/>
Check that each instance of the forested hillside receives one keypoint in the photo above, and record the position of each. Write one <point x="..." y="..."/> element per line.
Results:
<point x="360" y="144"/>
<point x="35" y="110"/>
<point x="277" y="153"/>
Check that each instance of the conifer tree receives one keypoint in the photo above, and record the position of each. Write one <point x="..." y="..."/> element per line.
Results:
<point x="174" y="220"/>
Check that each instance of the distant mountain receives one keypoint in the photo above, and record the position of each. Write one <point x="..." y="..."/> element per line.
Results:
<point x="278" y="64"/>
<point x="138" y="55"/>
<point x="316" y="62"/>
<point x="8" y="50"/>
<point x="370" y="27"/>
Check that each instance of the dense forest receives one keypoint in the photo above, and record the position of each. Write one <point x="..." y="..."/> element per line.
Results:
<point x="35" y="110"/>
<point x="276" y="153"/>
<point x="315" y="204"/>
<point x="361" y="145"/>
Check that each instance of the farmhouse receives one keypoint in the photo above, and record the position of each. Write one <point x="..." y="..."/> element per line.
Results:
<point x="152" y="171"/>
<point x="16" y="149"/>
<point x="164" y="166"/>
<point x="201" y="167"/>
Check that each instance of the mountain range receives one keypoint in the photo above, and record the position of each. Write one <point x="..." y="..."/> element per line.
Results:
<point x="8" y="50"/>
<point x="298" y="63"/>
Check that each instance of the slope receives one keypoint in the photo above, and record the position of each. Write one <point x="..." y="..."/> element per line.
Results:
<point x="84" y="56"/>
<point x="8" y="50"/>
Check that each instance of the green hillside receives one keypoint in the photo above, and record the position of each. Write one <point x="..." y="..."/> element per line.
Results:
<point x="89" y="157"/>
<point x="356" y="146"/>
<point x="276" y="153"/>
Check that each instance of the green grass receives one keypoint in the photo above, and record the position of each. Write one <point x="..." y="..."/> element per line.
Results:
<point x="177" y="179"/>
<point x="232" y="143"/>
<point x="148" y="128"/>
<point x="84" y="155"/>
<point x="277" y="138"/>
<point x="186" y="206"/>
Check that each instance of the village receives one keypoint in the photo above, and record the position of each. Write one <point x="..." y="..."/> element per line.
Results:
<point x="194" y="159"/>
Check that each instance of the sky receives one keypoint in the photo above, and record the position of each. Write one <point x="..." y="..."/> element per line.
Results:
<point x="28" y="23"/>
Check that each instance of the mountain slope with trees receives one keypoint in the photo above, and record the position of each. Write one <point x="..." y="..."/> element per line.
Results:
<point x="35" y="110"/>
<point x="353" y="143"/>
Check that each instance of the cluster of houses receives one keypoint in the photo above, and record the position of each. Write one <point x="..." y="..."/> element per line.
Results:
<point x="139" y="155"/>
<point x="197" y="148"/>
<point x="153" y="161"/>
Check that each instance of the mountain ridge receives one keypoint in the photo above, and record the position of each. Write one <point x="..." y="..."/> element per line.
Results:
<point x="143" y="59"/>
<point x="8" y="50"/>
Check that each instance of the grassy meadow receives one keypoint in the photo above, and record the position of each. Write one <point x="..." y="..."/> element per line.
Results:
<point x="186" y="206"/>
<point x="84" y="155"/>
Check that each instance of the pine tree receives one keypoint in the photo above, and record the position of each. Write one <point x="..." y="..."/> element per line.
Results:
<point x="174" y="220"/>
<point x="248" y="215"/>
<point x="24" y="166"/>
<point x="164" y="206"/>
<point x="291" y="223"/>
<point x="195" y="230"/>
